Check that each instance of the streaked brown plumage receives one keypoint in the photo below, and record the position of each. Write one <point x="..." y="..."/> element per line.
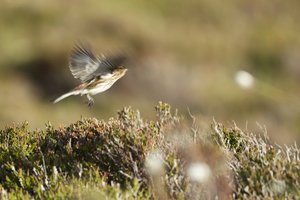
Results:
<point x="96" y="73"/>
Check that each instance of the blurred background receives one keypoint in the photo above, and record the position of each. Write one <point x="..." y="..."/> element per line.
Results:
<point x="234" y="61"/>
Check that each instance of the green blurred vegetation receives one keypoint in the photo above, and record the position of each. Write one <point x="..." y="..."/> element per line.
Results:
<point x="128" y="157"/>
<point x="183" y="52"/>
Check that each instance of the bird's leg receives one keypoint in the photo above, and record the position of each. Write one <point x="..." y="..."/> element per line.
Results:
<point x="90" y="100"/>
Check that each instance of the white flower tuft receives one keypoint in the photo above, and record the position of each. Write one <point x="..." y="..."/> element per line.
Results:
<point x="244" y="79"/>
<point x="154" y="162"/>
<point x="199" y="172"/>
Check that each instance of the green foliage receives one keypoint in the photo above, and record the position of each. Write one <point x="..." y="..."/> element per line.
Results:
<point x="260" y="169"/>
<point x="130" y="158"/>
<point x="50" y="162"/>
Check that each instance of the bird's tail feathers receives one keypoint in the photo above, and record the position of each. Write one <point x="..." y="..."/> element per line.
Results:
<point x="73" y="92"/>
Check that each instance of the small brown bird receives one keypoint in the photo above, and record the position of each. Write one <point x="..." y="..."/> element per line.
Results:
<point x="96" y="73"/>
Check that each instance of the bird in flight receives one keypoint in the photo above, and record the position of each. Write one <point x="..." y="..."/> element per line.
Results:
<point x="96" y="73"/>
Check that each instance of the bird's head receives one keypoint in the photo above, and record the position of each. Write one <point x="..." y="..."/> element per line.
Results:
<point x="120" y="70"/>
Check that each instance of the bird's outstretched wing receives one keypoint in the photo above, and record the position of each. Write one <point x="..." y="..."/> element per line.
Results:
<point x="85" y="65"/>
<point x="83" y="62"/>
<point x="109" y="64"/>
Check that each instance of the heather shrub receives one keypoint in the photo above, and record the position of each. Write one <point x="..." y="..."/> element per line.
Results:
<point x="128" y="157"/>
<point x="260" y="169"/>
